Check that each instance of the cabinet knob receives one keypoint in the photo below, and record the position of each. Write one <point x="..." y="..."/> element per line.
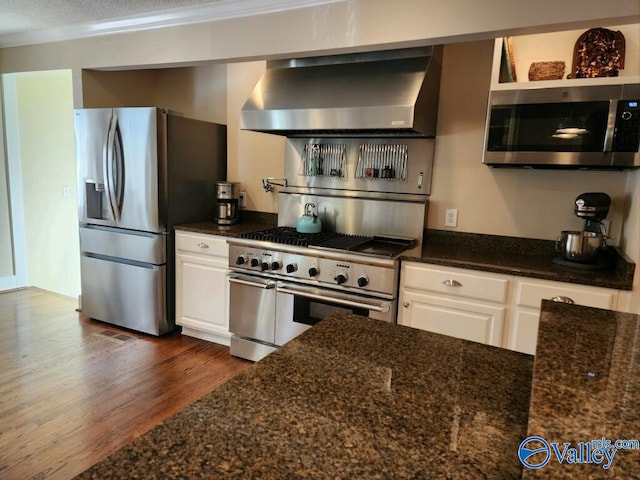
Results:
<point x="562" y="299"/>
<point x="451" y="283"/>
<point x="203" y="245"/>
<point x="405" y="304"/>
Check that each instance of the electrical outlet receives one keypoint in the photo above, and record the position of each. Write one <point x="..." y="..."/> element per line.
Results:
<point x="451" y="217"/>
<point x="242" y="199"/>
<point x="66" y="191"/>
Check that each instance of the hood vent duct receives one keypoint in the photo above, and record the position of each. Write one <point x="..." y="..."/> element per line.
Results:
<point x="391" y="93"/>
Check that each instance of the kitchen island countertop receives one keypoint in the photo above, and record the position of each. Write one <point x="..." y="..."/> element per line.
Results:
<point x="350" y="398"/>
<point x="359" y="398"/>
<point x="586" y="387"/>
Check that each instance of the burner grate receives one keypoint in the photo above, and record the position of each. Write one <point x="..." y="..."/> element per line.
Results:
<point x="358" y="244"/>
<point x="289" y="236"/>
<point x="339" y="241"/>
<point x="286" y="235"/>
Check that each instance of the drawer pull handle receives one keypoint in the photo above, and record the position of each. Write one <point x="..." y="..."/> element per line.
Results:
<point x="405" y="304"/>
<point x="451" y="283"/>
<point x="203" y="245"/>
<point x="562" y="299"/>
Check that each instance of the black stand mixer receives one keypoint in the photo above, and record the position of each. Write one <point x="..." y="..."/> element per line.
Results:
<point x="586" y="249"/>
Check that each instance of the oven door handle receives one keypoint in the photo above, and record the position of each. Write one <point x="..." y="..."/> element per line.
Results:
<point x="265" y="284"/>
<point x="382" y="307"/>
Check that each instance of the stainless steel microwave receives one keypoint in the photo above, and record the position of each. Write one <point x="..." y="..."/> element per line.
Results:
<point x="574" y="127"/>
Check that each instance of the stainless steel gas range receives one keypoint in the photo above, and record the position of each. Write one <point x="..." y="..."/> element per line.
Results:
<point x="360" y="134"/>
<point x="282" y="282"/>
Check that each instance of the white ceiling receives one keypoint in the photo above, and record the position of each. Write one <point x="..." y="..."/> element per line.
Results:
<point x="24" y="22"/>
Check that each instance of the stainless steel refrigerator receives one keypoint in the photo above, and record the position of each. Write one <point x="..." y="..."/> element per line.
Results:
<point x="140" y="171"/>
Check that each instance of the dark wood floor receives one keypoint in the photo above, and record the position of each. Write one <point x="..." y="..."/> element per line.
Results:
<point x="73" y="390"/>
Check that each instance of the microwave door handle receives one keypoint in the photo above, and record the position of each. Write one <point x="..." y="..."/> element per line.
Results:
<point x="108" y="169"/>
<point x="611" y="126"/>
<point x="381" y="307"/>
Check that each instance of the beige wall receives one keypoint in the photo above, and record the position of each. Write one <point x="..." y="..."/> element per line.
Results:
<point x="45" y="128"/>
<point x="630" y="242"/>
<point x="352" y="24"/>
<point x="252" y="156"/>
<point x="197" y="92"/>
<point x="6" y="250"/>
<point x="511" y="202"/>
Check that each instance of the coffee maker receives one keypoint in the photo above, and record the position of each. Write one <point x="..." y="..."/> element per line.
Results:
<point x="227" y="203"/>
<point x="587" y="248"/>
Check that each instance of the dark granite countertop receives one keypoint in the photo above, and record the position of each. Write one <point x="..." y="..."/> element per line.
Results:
<point x="250" y="221"/>
<point x="490" y="253"/>
<point x="518" y="256"/>
<point x="350" y="398"/>
<point x="586" y="386"/>
<point x="359" y="398"/>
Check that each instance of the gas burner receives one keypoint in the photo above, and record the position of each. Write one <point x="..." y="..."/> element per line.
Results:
<point x="289" y="236"/>
<point x="285" y="235"/>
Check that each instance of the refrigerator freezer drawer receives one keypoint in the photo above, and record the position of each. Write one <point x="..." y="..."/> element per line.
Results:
<point x="125" y="295"/>
<point x="118" y="243"/>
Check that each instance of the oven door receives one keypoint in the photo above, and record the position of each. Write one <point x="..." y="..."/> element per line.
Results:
<point x="252" y="307"/>
<point x="299" y="307"/>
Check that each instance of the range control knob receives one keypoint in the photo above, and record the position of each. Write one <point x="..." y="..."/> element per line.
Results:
<point x="276" y="265"/>
<point x="363" y="281"/>
<point x="292" y="267"/>
<point x="341" y="278"/>
<point x="313" y="271"/>
<point x="255" y="262"/>
<point x="264" y="266"/>
<point x="241" y="260"/>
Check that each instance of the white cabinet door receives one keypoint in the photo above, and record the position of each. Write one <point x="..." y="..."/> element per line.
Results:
<point x="521" y="332"/>
<point x="202" y="288"/>
<point x="460" y="318"/>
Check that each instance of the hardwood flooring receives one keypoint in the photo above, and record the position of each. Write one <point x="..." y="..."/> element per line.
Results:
<point x="73" y="390"/>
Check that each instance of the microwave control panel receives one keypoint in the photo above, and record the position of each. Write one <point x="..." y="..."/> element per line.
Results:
<point x="627" y="132"/>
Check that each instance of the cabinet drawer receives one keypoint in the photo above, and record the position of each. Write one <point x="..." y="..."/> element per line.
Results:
<point x="203" y="244"/>
<point x="531" y="293"/>
<point x="457" y="282"/>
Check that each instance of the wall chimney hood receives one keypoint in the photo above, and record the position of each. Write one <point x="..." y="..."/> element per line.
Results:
<point x="392" y="93"/>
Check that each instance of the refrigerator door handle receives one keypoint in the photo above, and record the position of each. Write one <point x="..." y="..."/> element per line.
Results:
<point x="110" y="156"/>
<point x="119" y="166"/>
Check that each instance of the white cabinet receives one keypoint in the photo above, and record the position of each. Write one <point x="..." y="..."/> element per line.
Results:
<point x="499" y="310"/>
<point x="521" y="330"/>
<point x="201" y="286"/>
<point x="455" y="302"/>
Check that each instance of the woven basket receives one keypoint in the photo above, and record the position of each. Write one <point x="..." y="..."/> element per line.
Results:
<point x="546" y="71"/>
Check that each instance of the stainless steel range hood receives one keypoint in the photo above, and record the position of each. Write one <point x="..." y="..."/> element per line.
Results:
<point x="389" y="93"/>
